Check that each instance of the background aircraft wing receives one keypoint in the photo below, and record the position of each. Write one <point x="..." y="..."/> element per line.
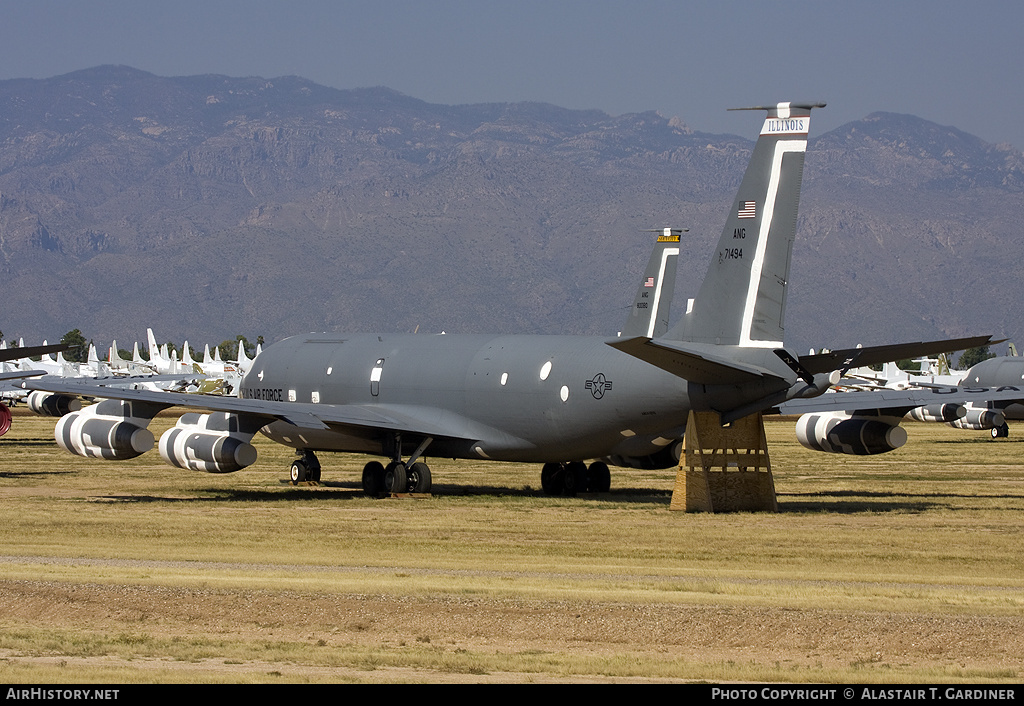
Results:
<point x="885" y="402"/>
<point x="19" y="374"/>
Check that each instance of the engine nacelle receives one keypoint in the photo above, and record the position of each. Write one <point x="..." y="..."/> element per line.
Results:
<point x="215" y="443"/>
<point x="938" y="413"/>
<point x="49" y="404"/>
<point x="979" y="418"/>
<point x="111" y="429"/>
<point x="841" y="433"/>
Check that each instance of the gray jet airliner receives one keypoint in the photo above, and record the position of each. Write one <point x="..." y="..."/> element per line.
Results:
<point x="555" y="400"/>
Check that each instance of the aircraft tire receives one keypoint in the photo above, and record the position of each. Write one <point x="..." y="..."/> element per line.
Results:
<point x="551" y="478"/>
<point x="395" y="478"/>
<point x="419" y="478"/>
<point x="1002" y="431"/>
<point x="299" y="472"/>
<point x="600" y="477"/>
<point x="373" y="478"/>
<point x="575" y="478"/>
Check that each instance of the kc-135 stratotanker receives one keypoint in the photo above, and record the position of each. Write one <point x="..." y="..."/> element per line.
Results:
<point x="560" y="401"/>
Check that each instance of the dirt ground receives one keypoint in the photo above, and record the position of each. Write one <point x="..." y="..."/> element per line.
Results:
<point x="704" y="634"/>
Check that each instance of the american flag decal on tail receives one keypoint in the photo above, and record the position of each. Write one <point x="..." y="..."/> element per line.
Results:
<point x="747" y="210"/>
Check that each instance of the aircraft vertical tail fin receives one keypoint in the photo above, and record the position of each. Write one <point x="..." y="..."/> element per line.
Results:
<point x="154" y="349"/>
<point x="742" y="300"/>
<point x="114" y="358"/>
<point x="649" y="316"/>
<point x="243" y="360"/>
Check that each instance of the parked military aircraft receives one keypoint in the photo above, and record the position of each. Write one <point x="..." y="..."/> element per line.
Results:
<point x="1004" y="374"/>
<point x="554" y="400"/>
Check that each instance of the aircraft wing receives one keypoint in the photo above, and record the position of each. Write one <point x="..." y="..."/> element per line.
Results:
<point x="360" y="418"/>
<point x="886" y="402"/>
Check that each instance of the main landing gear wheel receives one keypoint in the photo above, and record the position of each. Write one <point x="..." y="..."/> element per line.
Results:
<point x="1001" y="432"/>
<point x="572" y="478"/>
<point x="418" y="478"/>
<point x="373" y="478"/>
<point x="575" y="478"/>
<point x="599" y="477"/>
<point x="551" y="478"/>
<point x="395" y="478"/>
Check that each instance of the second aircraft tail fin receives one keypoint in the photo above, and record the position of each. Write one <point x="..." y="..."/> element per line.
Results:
<point x="649" y="315"/>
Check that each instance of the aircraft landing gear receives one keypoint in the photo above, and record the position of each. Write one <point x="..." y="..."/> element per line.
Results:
<point x="306" y="468"/>
<point x="575" y="477"/>
<point x="418" y="478"/>
<point x="398" y="476"/>
<point x="600" y="477"/>
<point x="1001" y="432"/>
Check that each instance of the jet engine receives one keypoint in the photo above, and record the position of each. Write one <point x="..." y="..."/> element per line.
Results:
<point x="978" y="418"/>
<point x="111" y="429"/>
<point x="938" y="413"/>
<point x="837" y="432"/>
<point x="215" y="443"/>
<point x="49" y="404"/>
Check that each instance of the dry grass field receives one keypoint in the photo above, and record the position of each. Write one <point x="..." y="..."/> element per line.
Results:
<point x="905" y="567"/>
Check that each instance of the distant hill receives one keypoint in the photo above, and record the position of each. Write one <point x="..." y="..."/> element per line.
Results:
<point x="206" y="206"/>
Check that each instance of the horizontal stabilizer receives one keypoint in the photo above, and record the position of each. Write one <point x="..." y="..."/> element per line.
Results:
<point x="691" y="361"/>
<point x="875" y="355"/>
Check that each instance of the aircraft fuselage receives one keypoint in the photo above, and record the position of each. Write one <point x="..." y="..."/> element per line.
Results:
<point x="520" y="398"/>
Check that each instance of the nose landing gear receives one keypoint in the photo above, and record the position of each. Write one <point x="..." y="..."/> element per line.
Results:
<point x="306" y="468"/>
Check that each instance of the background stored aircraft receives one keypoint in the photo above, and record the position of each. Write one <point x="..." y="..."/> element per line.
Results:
<point x="1004" y="374"/>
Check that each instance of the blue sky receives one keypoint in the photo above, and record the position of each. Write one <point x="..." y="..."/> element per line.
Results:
<point x="953" y="63"/>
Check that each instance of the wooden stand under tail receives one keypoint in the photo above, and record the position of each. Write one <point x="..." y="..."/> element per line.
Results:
<point x="724" y="469"/>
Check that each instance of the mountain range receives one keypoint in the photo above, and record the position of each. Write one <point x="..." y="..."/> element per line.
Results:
<point x="209" y="206"/>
